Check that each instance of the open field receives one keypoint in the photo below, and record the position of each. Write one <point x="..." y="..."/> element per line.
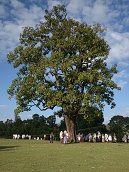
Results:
<point x="38" y="156"/>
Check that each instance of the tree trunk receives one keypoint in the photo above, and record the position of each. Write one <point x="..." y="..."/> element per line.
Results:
<point x="71" y="127"/>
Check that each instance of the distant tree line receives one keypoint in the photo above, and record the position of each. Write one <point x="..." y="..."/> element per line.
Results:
<point x="37" y="126"/>
<point x="40" y="125"/>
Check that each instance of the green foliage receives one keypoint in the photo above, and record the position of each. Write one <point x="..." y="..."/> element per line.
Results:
<point x="119" y="125"/>
<point x="62" y="63"/>
<point x="37" y="126"/>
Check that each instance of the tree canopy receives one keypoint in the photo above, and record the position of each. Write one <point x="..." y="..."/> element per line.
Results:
<point x="119" y="125"/>
<point x="62" y="63"/>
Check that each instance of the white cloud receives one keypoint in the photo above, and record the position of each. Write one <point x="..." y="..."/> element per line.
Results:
<point x="2" y="10"/>
<point x="21" y="17"/>
<point x="98" y="11"/>
<point x="119" y="43"/>
<point x="101" y="11"/>
<point x="75" y="6"/>
<point x="9" y="35"/>
<point x="28" y="17"/>
<point x="80" y="10"/>
<point x="16" y="4"/>
<point x="52" y="3"/>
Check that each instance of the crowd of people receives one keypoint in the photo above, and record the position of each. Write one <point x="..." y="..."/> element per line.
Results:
<point x="98" y="137"/>
<point x="80" y="137"/>
<point x="91" y="137"/>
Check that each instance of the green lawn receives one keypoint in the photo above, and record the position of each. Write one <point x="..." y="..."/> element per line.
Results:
<point x="37" y="156"/>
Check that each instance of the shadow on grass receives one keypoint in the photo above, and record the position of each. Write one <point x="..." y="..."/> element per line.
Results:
<point x="7" y="148"/>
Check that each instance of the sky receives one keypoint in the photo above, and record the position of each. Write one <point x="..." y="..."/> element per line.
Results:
<point x="113" y="15"/>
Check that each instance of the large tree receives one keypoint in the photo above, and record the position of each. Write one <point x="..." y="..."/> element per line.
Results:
<point x="62" y="63"/>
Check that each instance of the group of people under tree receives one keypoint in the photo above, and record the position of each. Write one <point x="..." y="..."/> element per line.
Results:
<point x="64" y="137"/>
<point x="91" y="137"/>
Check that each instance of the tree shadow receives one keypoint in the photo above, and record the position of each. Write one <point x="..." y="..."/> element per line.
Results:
<point x="7" y="148"/>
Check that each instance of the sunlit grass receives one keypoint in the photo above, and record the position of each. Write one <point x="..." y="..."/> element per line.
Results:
<point x="33" y="155"/>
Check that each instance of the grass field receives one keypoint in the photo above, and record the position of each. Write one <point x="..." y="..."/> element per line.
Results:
<point x="38" y="156"/>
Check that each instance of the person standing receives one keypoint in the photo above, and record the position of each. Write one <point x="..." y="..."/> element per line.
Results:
<point x="44" y="136"/>
<point x="65" y="137"/>
<point x="94" y="137"/>
<point x="103" y="138"/>
<point x="110" y="138"/>
<point x="51" y="137"/>
<point x="79" y="137"/>
<point x="61" y="137"/>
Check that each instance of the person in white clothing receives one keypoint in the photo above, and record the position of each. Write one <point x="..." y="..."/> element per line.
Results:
<point x="65" y="137"/>
<point x="61" y="136"/>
